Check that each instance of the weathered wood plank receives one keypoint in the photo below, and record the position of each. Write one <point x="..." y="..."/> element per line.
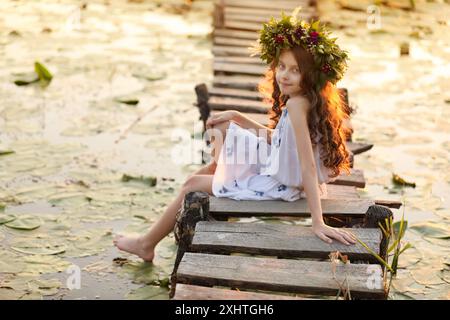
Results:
<point x="192" y="292"/>
<point x="355" y="178"/>
<point x="232" y="42"/>
<point x="279" y="240"/>
<point x="237" y="82"/>
<point x="262" y="13"/>
<point x="222" y="32"/>
<point x="235" y="68"/>
<point x="299" y="276"/>
<point x="359" y="147"/>
<point x="256" y="17"/>
<point x="219" y="50"/>
<point x="235" y="93"/>
<point x="243" y="105"/>
<point x="243" y="60"/>
<point x="355" y="208"/>
<point x="275" y="5"/>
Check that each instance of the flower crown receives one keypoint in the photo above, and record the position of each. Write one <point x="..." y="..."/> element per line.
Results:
<point x="288" y="32"/>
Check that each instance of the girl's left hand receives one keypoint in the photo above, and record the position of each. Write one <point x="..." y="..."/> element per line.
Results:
<point x="327" y="233"/>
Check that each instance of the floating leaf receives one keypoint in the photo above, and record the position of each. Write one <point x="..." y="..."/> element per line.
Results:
<point x="10" y="262"/>
<point x="38" y="246"/>
<point x="44" y="75"/>
<point x="151" y="181"/>
<point x="399" y="181"/>
<point x="5" y="218"/>
<point x="25" y="82"/>
<point x="432" y="229"/>
<point x="38" y="264"/>
<point x="131" y="102"/>
<point x="6" y="152"/>
<point x="44" y="287"/>
<point x="25" y="222"/>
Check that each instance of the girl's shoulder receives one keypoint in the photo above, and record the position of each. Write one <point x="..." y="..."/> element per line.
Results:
<point x="299" y="103"/>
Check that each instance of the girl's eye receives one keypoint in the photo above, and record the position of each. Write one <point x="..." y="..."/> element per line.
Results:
<point x="295" y="70"/>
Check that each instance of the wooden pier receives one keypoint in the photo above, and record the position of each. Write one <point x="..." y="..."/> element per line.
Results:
<point x="221" y="258"/>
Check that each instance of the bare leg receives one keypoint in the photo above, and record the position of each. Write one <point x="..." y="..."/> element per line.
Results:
<point x="144" y="246"/>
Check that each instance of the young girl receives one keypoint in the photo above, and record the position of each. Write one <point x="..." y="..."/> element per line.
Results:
<point x="305" y="141"/>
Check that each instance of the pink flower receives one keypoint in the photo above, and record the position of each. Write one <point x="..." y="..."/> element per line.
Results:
<point x="279" y="38"/>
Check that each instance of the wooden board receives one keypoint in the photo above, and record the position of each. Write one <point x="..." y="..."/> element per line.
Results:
<point x="355" y="178"/>
<point x="232" y="42"/>
<point x="342" y="192"/>
<point x="191" y="292"/>
<point x="226" y="207"/>
<point x="235" y="93"/>
<point x="241" y="60"/>
<point x="239" y="68"/>
<point x="279" y="240"/>
<point x="243" y="105"/>
<point x="287" y="6"/>
<point x="222" y="32"/>
<point x="359" y="147"/>
<point x="237" y="82"/>
<point x="220" y="50"/>
<point x="298" y="276"/>
<point x="262" y="12"/>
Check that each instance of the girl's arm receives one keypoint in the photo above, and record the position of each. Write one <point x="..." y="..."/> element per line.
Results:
<point x="242" y="120"/>
<point x="298" y="109"/>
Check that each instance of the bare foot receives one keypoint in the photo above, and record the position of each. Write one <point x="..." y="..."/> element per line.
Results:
<point x="134" y="245"/>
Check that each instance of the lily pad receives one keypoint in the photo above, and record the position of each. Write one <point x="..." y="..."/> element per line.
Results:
<point x="39" y="264"/>
<point x="26" y="222"/>
<point x="44" y="287"/>
<point x="432" y="229"/>
<point x="38" y="246"/>
<point x="151" y="181"/>
<point x="5" y="218"/>
<point x="149" y="293"/>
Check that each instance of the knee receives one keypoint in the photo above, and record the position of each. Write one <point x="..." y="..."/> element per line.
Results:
<point x="190" y="184"/>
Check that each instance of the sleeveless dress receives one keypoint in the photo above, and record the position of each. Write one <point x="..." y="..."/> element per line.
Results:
<point x="249" y="168"/>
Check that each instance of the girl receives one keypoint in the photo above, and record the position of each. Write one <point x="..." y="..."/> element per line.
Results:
<point x="305" y="140"/>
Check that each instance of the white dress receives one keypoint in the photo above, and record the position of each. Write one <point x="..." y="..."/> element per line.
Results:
<point x="249" y="168"/>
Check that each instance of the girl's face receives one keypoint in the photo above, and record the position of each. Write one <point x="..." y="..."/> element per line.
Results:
<point x="287" y="74"/>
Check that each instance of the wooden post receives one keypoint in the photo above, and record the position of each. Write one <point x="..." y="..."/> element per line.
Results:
<point x="202" y="103"/>
<point x="195" y="208"/>
<point x="375" y="216"/>
<point x="219" y="14"/>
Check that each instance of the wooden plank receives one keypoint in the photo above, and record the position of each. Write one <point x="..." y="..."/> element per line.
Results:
<point x="231" y="51"/>
<point x="235" y="93"/>
<point x="359" y="147"/>
<point x="389" y="203"/>
<point x="279" y="240"/>
<point x="355" y="178"/>
<point x="352" y="208"/>
<point x="222" y="32"/>
<point x="259" y="18"/>
<point x="244" y="60"/>
<point x="298" y="276"/>
<point x="237" y="82"/>
<point x="262" y="12"/>
<point x="243" y="105"/>
<point x="191" y="292"/>
<point x="287" y="6"/>
<point x="237" y="68"/>
<point x="223" y="41"/>
<point x="241" y="25"/>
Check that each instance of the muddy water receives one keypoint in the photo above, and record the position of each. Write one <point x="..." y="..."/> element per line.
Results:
<point x="403" y="108"/>
<point x="73" y="140"/>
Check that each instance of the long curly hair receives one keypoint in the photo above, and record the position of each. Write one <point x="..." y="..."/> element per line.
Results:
<point x="326" y="116"/>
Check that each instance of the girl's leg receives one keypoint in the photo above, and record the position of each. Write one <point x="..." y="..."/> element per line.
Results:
<point x="144" y="246"/>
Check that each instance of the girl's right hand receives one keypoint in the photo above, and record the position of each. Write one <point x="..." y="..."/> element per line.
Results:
<point x="220" y="117"/>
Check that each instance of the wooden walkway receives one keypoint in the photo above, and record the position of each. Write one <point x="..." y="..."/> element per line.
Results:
<point x="222" y="259"/>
